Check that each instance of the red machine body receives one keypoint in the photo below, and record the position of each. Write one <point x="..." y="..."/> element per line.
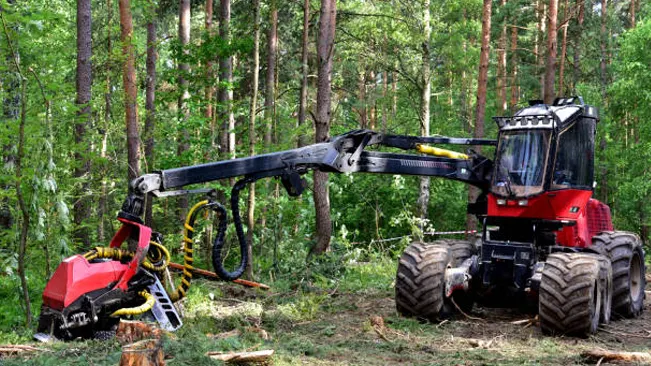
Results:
<point x="76" y="277"/>
<point x="585" y="216"/>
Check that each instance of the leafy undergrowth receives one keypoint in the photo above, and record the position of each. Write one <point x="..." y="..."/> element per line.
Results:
<point x="324" y="321"/>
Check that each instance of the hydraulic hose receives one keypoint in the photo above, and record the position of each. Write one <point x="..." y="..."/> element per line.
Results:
<point x="218" y="244"/>
<point x="146" y="306"/>
<point x="188" y="233"/>
<point x="119" y="254"/>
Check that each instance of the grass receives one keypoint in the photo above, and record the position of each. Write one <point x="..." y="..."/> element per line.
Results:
<point x="323" y="318"/>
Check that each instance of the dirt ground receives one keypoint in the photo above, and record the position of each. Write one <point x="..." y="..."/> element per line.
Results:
<point x="312" y="326"/>
<point x="346" y="331"/>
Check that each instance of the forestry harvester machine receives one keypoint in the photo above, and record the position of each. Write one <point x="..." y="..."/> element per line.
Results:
<point x="545" y="243"/>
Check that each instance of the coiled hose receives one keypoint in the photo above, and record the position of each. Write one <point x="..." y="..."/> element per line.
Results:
<point x="218" y="244"/>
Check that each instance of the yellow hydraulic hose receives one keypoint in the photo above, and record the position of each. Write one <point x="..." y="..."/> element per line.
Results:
<point x="431" y="150"/>
<point x="118" y="254"/>
<point x="188" y="233"/>
<point x="148" y="304"/>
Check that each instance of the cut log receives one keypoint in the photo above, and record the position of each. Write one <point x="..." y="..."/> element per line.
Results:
<point x="132" y="331"/>
<point x="242" y="357"/>
<point x="605" y="355"/>
<point x="148" y="352"/>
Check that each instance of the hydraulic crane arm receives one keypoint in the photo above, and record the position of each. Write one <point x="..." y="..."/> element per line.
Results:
<point x="346" y="153"/>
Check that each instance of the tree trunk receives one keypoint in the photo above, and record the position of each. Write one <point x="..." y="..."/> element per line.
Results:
<point x="361" y="98"/>
<point x="208" y="113"/>
<point x="423" y="192"/>
<point x="514" y="66"/>
<point x="270" y="90"/>
<point x="325" y="53"/>
<point x="150" y="107"/>
<point x="501" y="67"/>
<point x="304" y="71"/>
<point x="226" y="79"/>
<point x="183" y="68"/>
<point x="84" y="81"/>
<point x="130" y="92"/>
<point x="538" y="48"/>
<point x="24" y="228"/>
<point x="631" y="11"/>
<point x="250" y="219"/>
<point x="550" y="65"/>
<point x="578" y="43"/>
<point x="561" y="71"/>
<point x="482" y="83"/>
<point x="372" y="115"/>
<point x="394" y="94"/>
<point x="270" y="96"/>
<point x="385" y="88"/>
<point x="604" y="47"/>
<point x="101" y="204"/>
<point x="209" y="65"/>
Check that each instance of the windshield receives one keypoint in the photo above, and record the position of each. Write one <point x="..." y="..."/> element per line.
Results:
<point x="520" y="163"/>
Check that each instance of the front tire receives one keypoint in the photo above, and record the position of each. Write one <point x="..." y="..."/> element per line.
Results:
<point x="420" y="281"/>
<point x="570" y="294"/>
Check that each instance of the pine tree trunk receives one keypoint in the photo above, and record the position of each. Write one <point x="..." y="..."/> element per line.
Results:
<point x="183" y="68"/>
<point x="250" y="218"/>
<point x="561" y="71"/>
<point x="372" y="114"/>
<point x="578" y="43"/>
<point x="270" y="96"/>
<point x="81" y="208"/>
<point x="538" y="47"/>
<point x="304" y="71"/>
<point x="482" y="84"/>
<point x="101" y="203"/>
<point x="514" y="66"/>
<point x="150" y="106"/>
<point x="423" y="192"/>
<point x="226" y="77"/>
<point x="325" y="53"/>
<point x="130" y="92"/>
<point x="631" y="11"/>
<point x="604" y="47"/>
<point x="501" y="67"/>
<point x="550" y="64"/>
<point x="361" y="97"/>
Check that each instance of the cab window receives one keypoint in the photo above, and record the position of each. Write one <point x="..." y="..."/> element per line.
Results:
<point x="574" y="164"/>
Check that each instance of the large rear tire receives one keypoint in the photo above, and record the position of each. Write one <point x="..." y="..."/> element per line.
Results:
<point x="570" y="297"/>
<point x="627" y="260"/>
<point x="420" y="281"/>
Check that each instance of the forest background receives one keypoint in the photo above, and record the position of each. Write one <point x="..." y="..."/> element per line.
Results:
<point x="96" y="92"/>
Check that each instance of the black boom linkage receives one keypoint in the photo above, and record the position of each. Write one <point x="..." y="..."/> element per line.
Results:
<point x="346" y="153"/>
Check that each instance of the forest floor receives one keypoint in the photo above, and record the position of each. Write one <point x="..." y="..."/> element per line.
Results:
<point x="337" y="326"/>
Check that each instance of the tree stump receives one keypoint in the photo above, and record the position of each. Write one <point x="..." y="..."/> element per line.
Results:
<point x="148" y="352"/>
<point x="141" y="344"/>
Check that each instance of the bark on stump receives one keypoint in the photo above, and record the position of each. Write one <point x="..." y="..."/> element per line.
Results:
<point x="142" y="344"/>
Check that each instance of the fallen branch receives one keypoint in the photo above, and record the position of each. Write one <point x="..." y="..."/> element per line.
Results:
<point x="255" y="356"/>
<point x="462" y="312"/>
<point x="209" y="274"/>
<point x="377" y="323"/>
<point x="480" y="343"/>
<point x="604" y="355"/>
<point x="624" y="334"/>
<point x="14" y="349"/>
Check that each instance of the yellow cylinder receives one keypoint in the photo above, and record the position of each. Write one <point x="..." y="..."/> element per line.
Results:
<point x="431" y="150"/>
